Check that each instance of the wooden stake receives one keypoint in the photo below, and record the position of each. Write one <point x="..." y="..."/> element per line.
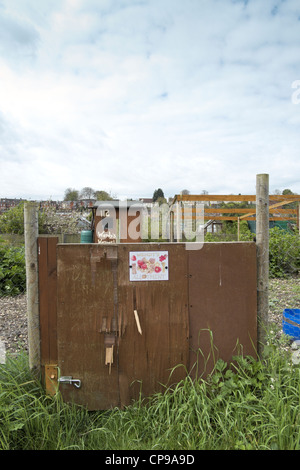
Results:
<point x="178" y="222"/>
<point x="262" y="244"/>
<point x="31" y="232"/>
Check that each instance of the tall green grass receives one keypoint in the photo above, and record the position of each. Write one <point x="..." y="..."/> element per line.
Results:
<point x="249" y="404"/>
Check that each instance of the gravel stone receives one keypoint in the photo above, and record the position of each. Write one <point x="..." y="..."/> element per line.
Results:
<point x="283" y="293"/>
<point x="13" y="323"/>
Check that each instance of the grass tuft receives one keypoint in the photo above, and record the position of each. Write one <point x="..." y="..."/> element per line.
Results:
<point x="248" y="404"/>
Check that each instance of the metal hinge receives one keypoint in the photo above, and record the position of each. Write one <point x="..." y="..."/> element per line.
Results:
<point x="67" y="379"/>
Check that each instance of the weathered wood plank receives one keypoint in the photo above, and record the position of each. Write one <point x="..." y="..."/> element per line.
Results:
<point x="52" y="299"/>
<point x="47" y="298"/>
<point x="146" y="361"/>
<point x="43" y="299"/>
<point x="222" y="301"/>
<point x="85" y="296"/>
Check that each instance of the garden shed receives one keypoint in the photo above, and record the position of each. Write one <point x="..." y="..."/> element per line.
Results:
<point x="112" y="221"/>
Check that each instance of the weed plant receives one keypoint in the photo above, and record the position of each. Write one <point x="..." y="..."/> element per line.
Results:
<point x="12" y="269"/>
<point x="248" y="404"/>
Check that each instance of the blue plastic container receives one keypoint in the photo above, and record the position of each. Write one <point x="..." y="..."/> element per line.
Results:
<point x="291" y="322"/>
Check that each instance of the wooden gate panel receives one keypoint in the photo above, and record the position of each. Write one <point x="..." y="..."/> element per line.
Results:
<point x="93" y="284"/>
<point x="146" y="360"/>
<point x="223" y="302"/>
<point x="85" y="297"/>
<point x="47" y="299"/>
<point x="209" y="291"/>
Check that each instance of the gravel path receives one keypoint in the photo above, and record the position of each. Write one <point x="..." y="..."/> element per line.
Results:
<point x="13" y="323"/>
<point x="283" y="293"/>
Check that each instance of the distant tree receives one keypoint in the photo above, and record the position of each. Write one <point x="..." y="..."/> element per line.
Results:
<point x="102" y="196"/>
<point x="87" y="193"/>
<point x="158" y="193"/>
<point x="185" y="192"/>
<point x="71" y="195"/>
<point x="287" y="191"/>
<point x="292" y="205"/>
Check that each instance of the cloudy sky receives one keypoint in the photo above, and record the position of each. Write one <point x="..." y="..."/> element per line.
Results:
<point x="131" y="95"/>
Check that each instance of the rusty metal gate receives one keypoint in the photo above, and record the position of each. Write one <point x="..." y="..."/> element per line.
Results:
<point x="122" y="320"/>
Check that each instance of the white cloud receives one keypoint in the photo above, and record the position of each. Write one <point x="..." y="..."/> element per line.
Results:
<point x="133" y="95"/>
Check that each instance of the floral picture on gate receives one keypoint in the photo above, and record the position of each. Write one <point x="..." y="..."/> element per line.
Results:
<point x="148" y="266"/>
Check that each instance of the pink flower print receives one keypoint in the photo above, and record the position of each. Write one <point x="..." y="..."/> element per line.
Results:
<point x="142" y="264"/>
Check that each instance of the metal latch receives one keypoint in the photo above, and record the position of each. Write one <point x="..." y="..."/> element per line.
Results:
<point x="67" y="379"/>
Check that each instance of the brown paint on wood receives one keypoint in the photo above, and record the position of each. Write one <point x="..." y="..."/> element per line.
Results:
<point x="47" y="298"/>
<point x="87" y="304"/>
<point x="222" y="301"/>
<point x="85" y="297"/>
<point x="146" y="360"/>
<point x="209" y="290"/>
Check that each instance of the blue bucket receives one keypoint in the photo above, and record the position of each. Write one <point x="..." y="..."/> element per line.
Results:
<point x="291" y="322"/>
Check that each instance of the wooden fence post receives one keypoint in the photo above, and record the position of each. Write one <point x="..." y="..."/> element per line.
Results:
<point x="31" y="260"/>
<point x="262" y="244"/>
<point x="178" y="221"/>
